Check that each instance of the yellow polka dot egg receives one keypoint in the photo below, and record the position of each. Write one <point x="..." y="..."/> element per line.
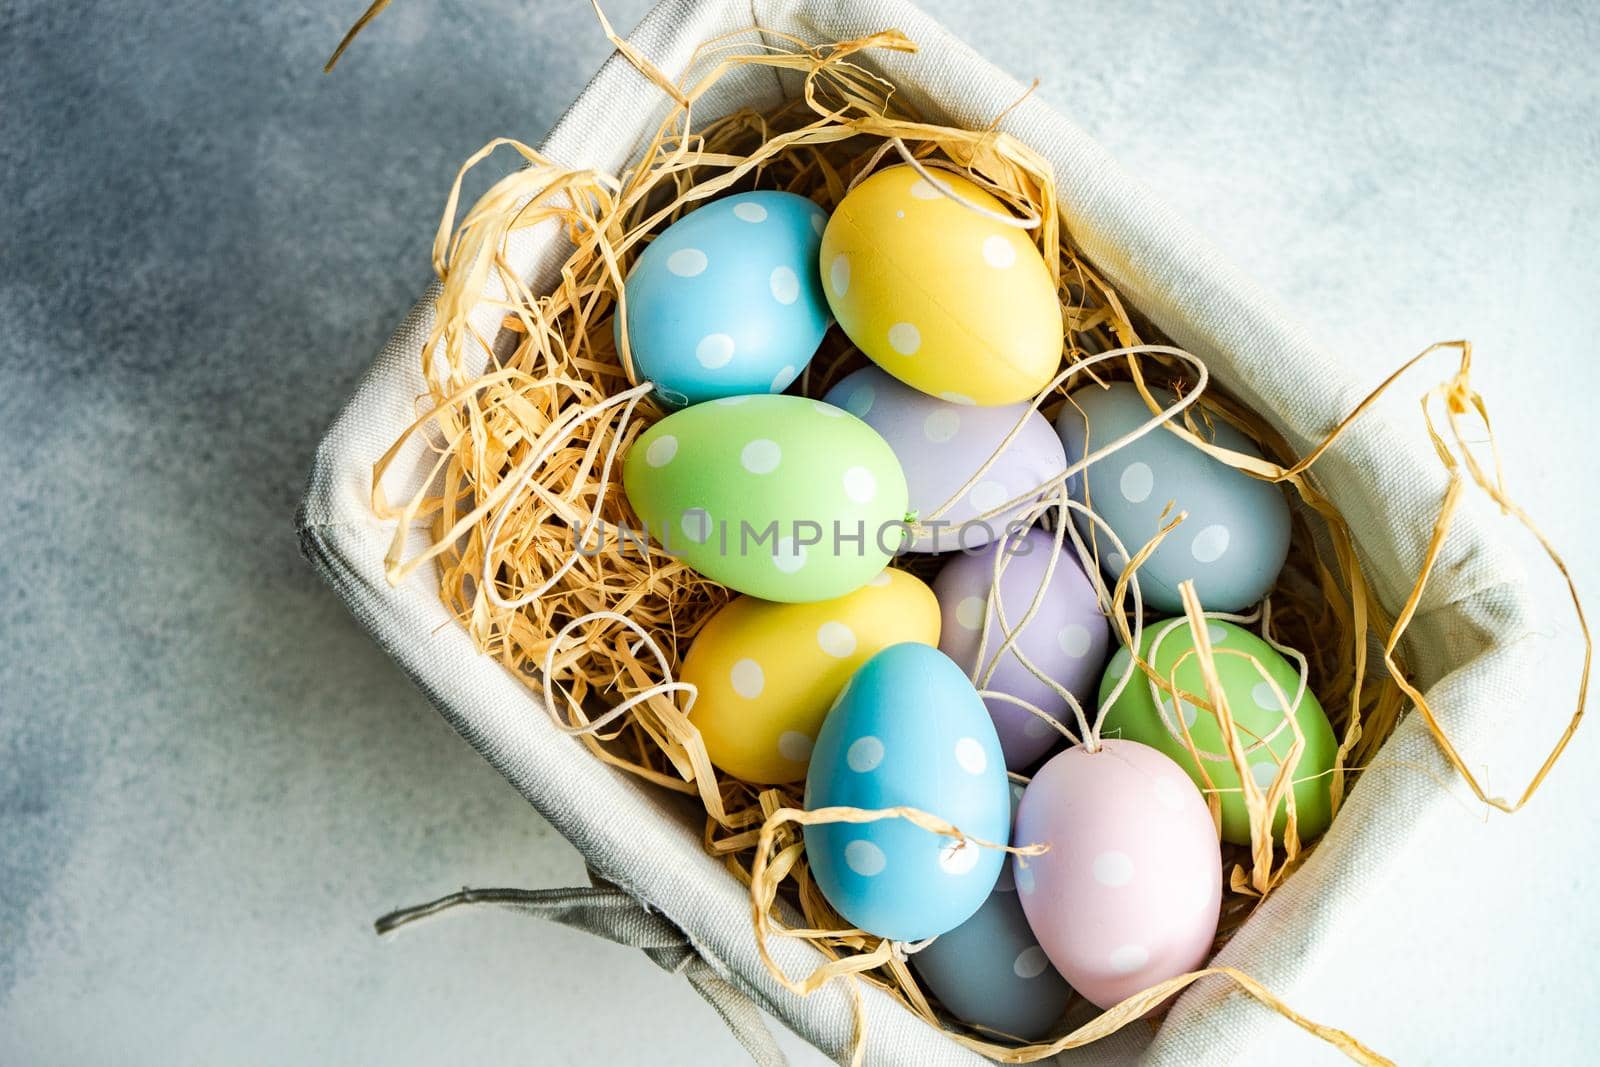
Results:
<point x="766" y="673"/>
<point x="951" y="302"/>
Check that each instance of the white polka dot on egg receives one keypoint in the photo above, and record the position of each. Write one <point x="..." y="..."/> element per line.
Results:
<point x="1217" y="634"/>
<point x="941" y="425"/>
<point x="1265" y="773"/>
<point x="794" y="746"/>
<point x="1265" y="698"/>
<point x="783" y="379"/>
<point x="1136" y="482"/>
<point x="958" y="398"/>
<point x="1024" y="879"/>
<point x="788" y="557"/>
<point x="750" y="212"/>
<point x="859" y="402"/>
<point x="836" y="639"/>
<point x="880" y="579"/>
<point x="747" y="678"/>
<point x="687" y="262"/>
<point x="971" y="756"/>
<point x="922" y="189"/>
<point x="1030" y="962"/>
<point x="696" y="525"/>
<point x="864" y="754"/>
<point x="905" y="338"/>
<point x="1073" y="639"/>
<point x="826" y="409"/>
<point x="1170" y="793"/>
<point x="714" y="350"/>
<point x="761" y="456"/>
<point x="958" y="856"/>
<point x="986" y="496"/>
<point x="1189" y="711"/>
<point x="865" y="858"/>
<point x="839" y="274"/>
<point x="785" y="285"/>
<point x="1113" y="869"/>
<point x="818" y="223"/>
<point x="859" y="485"/>
<point x="1210" y="543"/>
<point x="969" y="612"/>
<point x="1125" y="959"/>
<point x="998" y="252"/>
<point x="661" y="450"/>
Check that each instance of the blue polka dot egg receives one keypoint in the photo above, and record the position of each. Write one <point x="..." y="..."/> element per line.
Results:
<point x="728" y="300"/>
<point x="908" y="730"/>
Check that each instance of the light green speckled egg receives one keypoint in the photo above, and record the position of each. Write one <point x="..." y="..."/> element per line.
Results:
<point x="1256" y="709"/>
<point x="780" y="497"/>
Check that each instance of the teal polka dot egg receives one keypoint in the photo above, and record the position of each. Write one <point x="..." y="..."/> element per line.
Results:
<point x="728" y="300"/>
<point x="908" y="730"/>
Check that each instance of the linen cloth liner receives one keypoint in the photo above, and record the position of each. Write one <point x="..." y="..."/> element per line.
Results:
<point x="1466" y="648"/>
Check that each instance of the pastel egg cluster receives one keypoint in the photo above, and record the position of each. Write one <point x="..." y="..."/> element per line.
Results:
<point x="886" y="695"/>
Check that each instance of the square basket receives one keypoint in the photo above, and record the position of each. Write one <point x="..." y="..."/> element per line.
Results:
<point x="1466" y="646"/>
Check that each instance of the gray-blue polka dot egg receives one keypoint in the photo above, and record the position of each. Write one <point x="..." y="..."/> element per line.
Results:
<point x="1236" y="537"/>
<point x="991" y="972"/>
<point x="728" y="300"/>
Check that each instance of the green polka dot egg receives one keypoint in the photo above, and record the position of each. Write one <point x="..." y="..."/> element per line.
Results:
<point x="779" y="497"/>
<point x="1257" y="711"/>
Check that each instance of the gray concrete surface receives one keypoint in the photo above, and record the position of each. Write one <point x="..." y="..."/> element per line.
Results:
<point x="210" y="782"/>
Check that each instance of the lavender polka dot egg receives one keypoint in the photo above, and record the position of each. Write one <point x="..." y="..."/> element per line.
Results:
<point x="1236" y="536"/>
<point x="990" y="970"/>
<point x="941" y="445"/>
<point x="1130" y="891"/>
<point x="728" y="300"/>
<point x="908" y="730"/>
<point x="1066" y="638"/>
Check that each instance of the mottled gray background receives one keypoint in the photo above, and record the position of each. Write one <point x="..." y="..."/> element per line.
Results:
<point x="210" y="782"/>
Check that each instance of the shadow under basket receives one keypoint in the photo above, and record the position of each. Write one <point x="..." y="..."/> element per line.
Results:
<point x="662" y="891"/>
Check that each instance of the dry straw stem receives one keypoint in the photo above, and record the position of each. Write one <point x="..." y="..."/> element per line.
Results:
<point x="522" y="417"/>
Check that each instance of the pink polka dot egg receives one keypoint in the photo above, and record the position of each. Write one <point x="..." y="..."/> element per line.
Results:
<point x="727" y="300"/>
<point x="1130" y="891"/>
<point x="908" y="730"/>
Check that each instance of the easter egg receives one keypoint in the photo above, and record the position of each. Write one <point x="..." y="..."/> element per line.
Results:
<point x="766" y="673"/>
<point x="779" y="497"/>
<point x="1236" y="536"/>
<point x="908" y="730"/>
<point x="941" y="445"/>
<point x="1066" y="638"/>
<point x="990" y="970"/>
<point x="1130" y="890"/>
<point x="952" y="303"/>
<point x="1257" y="711"/>
<point x="727" y="300"/>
